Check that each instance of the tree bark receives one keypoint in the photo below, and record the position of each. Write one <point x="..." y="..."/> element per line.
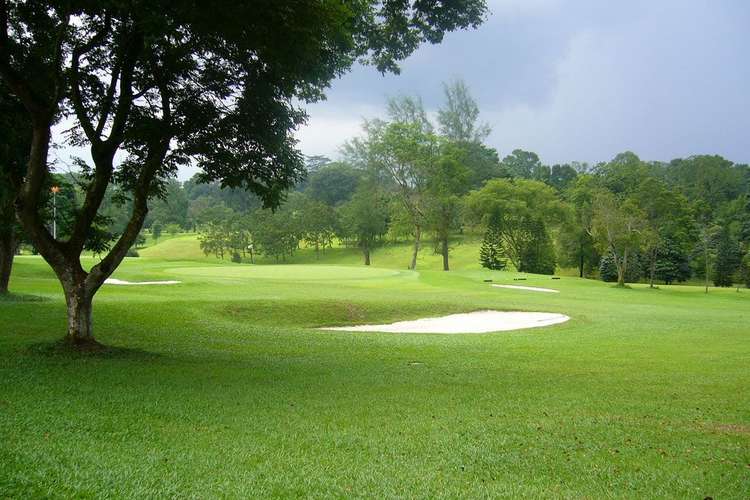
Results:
<point x="366" y="251"/>
<point x="80" y="319"/>
<point x="580" y="265"/>
<point x="7" y="252"/>
<point x="444" y="251"/>
<point x="653" y="268"/>
<point x="417" y="242"/>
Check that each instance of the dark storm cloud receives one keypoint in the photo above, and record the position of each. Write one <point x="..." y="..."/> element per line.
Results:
<point x="578" y="80"/>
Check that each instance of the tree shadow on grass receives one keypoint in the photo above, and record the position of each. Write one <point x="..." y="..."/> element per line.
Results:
<point x="63" y="349"/>
<point x="22" y="297"/>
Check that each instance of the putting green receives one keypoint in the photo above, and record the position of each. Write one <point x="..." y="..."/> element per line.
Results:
<point x="288" y="272"/>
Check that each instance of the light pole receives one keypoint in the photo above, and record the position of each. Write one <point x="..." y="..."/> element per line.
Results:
<point x="55" y="190"/>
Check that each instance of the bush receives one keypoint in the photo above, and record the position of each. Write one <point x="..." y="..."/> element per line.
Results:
<point x="132" y="252"/>
<point x="236" y="257"/>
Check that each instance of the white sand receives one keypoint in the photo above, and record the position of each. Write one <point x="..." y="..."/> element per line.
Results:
<point x="474" y="322"/>
<point x="113" y="281"/>
<point x="531" y="288"/>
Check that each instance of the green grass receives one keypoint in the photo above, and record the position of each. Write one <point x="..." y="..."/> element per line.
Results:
<point x="222" y="387"/>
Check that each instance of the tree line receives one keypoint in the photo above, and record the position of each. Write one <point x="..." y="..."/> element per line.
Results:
<point x="624" y="220"/>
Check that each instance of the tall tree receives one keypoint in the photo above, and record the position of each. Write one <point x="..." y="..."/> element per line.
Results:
<point x="171" y="82"/>
<point x="728" y="258"/>
<point x="400" y="154"/>
<point x="618" y="227"/>
<point x="15" y="134"/>
<point x="459" y="116"/>
<point x="447" y="181"/>
<point x="576" y="242"/>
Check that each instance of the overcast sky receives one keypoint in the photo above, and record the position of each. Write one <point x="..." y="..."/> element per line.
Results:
<point x="573" y="80"/>
<point x="577" y="80"/>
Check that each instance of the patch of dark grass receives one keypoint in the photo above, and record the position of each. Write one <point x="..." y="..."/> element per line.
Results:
<point x="22" y="297"/>
<point x="64" y="349"/>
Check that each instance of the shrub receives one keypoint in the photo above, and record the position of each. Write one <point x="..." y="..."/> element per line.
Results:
<point x="132" y="252"/>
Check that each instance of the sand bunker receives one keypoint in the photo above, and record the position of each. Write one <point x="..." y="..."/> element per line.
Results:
<point x="113" y="281"/>
<point x="474" y="322"/>
<point x="530" y="288"/>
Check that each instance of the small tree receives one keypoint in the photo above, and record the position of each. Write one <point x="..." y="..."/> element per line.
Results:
<point x="156" y="231"/>
<point x="491" y="252"/>
<point x="318" y="224"/>
<point x="364" y="220"/>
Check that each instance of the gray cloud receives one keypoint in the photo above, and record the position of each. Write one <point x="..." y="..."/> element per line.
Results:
<point x="578" y="80"/>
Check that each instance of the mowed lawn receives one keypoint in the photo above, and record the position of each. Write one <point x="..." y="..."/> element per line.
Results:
<point x="222" y="387"/>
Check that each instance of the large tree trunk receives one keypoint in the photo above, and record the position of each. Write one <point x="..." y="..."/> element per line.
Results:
<point x="444" y="251"/>
<point x="7" y="252"/>
<point x="80" y="320"/>
<point x="417" y="242"/>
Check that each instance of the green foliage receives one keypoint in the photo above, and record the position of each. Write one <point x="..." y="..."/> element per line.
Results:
<point x="333" y="184"/>
<point x="521" y="210"/>
<point x="672" y="262"/>
<point x="618" y="227"/>
<point x="156" y="229"/>
<point x="364" y="219"/>
<point x="458" y="118"/>
<point x="525" y="165"/>
<point x="276" y="233"/>
<point x="728" y="259"/>
<point x="318" y="223"/>
<point x="608" y="268"/>
<point x="491" y="252"/>
<point x="538" y="255"/>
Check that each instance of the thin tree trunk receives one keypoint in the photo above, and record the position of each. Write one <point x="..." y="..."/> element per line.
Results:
<point x="444" y="249"/>
<point x="622" y="266"/>
<point x="417" y="242"/>
<point x="7" y="252"/>
<point x="366" y="251"/>
<point x="707" y="266"/>
<point x="580" y="264"/>
<point x="653" y="267"/>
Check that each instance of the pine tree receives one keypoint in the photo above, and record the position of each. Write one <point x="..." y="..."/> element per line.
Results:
<point x="491" y="251"/>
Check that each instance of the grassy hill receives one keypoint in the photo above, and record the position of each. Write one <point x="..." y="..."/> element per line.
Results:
<point x="222" y="386"/>
<point x="464" y="254"/>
